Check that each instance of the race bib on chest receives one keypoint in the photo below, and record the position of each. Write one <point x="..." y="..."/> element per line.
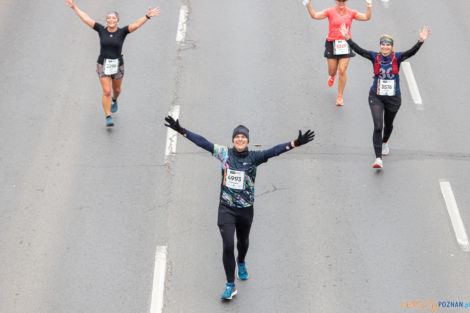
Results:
<point x="111" y="66"/>
<point x="235" y="179"/>
<point x="386" y="87"/>
<point x="340" y="47"/>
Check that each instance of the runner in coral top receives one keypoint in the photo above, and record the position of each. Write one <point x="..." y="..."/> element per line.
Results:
<point x="337" y="50"/>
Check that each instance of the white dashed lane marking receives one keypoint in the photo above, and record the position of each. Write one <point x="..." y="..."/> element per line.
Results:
<point x="182" y="24"/>
<point x="171" y="135"/>
<point x="159" y="272"/>
<point x="410" y="78"/>
<point x="385" y="3"/>
<point x="454" y="214"/>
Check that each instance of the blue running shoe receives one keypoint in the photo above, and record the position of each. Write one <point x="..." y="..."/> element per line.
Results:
<point x="109" y="121"/>
<point x="114" y="106"/>
<point x="242" y="272"/>
<point x="230" y="291"/>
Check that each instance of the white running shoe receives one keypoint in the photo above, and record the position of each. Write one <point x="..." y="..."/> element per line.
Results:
<point x="378" y="163"/>
<point x="385" y="149"/>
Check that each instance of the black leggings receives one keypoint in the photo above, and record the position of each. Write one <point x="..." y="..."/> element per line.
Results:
<point x="383" y="109"/>
<point x="230" y="221"/>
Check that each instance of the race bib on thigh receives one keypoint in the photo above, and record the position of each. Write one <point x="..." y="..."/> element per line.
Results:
<point x="340" y="47"/>
<point x="386" y="87"/>
<point x="235" y="179"/>
<point x="110" y="66"/>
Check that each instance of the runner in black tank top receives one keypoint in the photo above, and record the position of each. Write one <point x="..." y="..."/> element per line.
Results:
<point x="110" y="64"/>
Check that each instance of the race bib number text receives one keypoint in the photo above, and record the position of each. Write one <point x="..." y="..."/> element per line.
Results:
<point x="235" y="179"/>
<point x="111" y="66"/>
<point x="386" y="87"/>
<point x="340" y="47"/>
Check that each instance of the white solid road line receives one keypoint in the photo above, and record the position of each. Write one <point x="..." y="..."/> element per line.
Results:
<point x="181" y="31"/>
<point x="454" y="214"/>
<point x="159" y="272"/>
<point x="171" y="135"/>
<point x="410" y="78"/>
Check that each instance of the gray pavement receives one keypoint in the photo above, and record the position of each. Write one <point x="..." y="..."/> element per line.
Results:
<point x="84" y="207"/>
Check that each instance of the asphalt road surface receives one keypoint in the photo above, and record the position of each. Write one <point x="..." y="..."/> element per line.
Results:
<point x="84" y="207"/>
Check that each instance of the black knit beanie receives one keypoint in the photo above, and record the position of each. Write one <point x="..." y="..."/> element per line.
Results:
<point x="240" y="129"/>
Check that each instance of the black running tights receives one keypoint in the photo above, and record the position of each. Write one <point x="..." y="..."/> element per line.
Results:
<point x="381" y="114"/>
<point x="228" y="257"/>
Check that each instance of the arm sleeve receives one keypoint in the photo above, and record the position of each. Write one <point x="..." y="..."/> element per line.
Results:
<point x="200" y="141"/>
<point x="409" y="53"/>
<point x="265" y="155"/>
<point x="362" y="52"/>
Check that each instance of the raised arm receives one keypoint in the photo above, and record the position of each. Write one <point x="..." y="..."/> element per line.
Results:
<point x="423" y="35"/>
<point x="354" y="46"/>
<point x="316" y="15"/>
<point x="284" y="147"/>
<point x="362" y="52"/>
<point x="141" y="21"/>
<point x="200" y="141"/>
<point x="365" y="16"/>
<point x="83" y="16"/>
<point x="197" y="139"/>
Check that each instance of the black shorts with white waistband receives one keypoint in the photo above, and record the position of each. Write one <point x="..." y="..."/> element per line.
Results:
<point x="330" y="55"/>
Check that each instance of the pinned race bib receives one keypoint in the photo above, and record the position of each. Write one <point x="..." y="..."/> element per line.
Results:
<point x="340" y="47"/>
<point x="110" y="66"/>
<point x="235" y="179"/>
<point x="386" y="87"/>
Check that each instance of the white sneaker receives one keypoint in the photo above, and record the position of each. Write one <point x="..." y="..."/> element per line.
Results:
<point x="385" y="149"/>
<point x="378" y="163"/>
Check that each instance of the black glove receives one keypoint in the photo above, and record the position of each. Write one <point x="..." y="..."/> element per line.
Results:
<point x="303" y="139"/>
<point x="175" y="125"/>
